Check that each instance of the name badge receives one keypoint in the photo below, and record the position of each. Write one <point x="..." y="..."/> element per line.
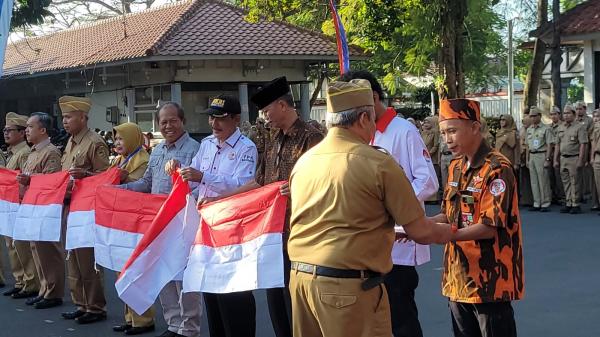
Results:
<point x="536" y="143"/>
<point x="572" y="138"/>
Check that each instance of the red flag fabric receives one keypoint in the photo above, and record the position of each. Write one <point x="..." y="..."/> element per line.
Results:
<point x="122" y="218"/>
<point x="239" y="245"/>
<point x="9" y="200"/>
<point x="81" y="219"/>
<point x="39" y="216"/>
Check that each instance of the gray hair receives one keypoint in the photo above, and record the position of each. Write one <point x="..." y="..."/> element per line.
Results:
<point x="177" y="106"/>
<point x="346" y="118"/>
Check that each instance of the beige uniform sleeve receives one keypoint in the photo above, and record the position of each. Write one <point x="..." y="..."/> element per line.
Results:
<point x="98" y="154"/>
<point x="398" y="195"/>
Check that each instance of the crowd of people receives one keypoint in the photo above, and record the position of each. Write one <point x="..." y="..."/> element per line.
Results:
<point x="355" y="224"/>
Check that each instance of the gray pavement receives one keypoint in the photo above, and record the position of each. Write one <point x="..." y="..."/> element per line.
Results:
<point x="562" y="289"/>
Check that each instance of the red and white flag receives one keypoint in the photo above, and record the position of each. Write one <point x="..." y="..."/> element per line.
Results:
<point x="239" y="244"/>
<point x="122" y="218"/>
<point x="81" y="218"/>
<point x="9" y="200"/>
<point x="161" y="255"/>
<point x="39" y="216"/>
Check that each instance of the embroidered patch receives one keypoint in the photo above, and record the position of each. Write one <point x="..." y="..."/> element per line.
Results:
<point x="247" y="158"/>
<point x="231" y="156"/>
<point x="473" y="189"/>
<point x="497" y="187"/>
<point x="477" y="180"/>
<point x="426" y="154"/>
<point x="467" y="219"/>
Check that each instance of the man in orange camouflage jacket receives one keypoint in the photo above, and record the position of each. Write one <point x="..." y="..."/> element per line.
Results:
<point x="483" y="266"/>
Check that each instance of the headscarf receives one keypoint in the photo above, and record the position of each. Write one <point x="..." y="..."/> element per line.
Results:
<point x="133" y="140"/>
<point x="429" y="136"/>
<point x="509" y="129"/>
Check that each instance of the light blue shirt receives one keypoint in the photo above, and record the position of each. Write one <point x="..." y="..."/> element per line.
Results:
<point x="155" y="179"/>
<point x="225" y="166"/>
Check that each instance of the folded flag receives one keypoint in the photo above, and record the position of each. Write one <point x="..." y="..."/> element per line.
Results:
<point x="9" y="200"/>
<point x="39" y="216"/>
<point x="161" y="255"/>
<point x="122" y="218"/>
<point x="81" y="219"/>
<point x="239" y="245"/>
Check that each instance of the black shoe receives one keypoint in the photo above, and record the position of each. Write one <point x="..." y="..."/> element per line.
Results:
<point x="90" y="317"/>
<point x="24" y="294"/>
<point x="534" y="209"/>
<point x="565" y="209"/>
<point x="595" y="209"/>
<point x="73" y="314"/>
<point x="48" y="303"/>
<point x="12" y="291"/>
<point x="138" y="330"/>
<point x="170" y="334"/>
<point x="575" y="210"/>
<point x="122" y="327"/>
<point x="34" y="300"/>
<point x="544" y="209"/>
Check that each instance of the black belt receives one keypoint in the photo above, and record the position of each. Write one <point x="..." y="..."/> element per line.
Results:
<point x="537" y="151"/>
<point x="569" y="155"/>
<point x="447" y="153"/>
<point x="372" y="278"/>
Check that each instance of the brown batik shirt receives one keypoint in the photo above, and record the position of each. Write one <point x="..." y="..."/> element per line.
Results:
<point x="281" y="153"/>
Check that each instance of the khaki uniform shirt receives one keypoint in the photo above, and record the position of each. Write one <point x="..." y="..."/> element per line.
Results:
<point x="346" y="197"/>
<point x="570" y="136"/>
<point x="2" y="160"/>
<point x="588" y="124"/>
<point x="86" y="150"/>
<point x="43" y="159"/>
<point x="538" y="138"/>
<point x="554" y="132"/>
<point x="596" y="143"/>
<point x="17" y="156"/>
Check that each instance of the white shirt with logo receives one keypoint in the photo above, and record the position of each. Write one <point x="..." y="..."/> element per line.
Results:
<point x="403" y="141"/>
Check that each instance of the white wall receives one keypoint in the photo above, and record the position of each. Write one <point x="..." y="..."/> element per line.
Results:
<point x="101" y="101"/>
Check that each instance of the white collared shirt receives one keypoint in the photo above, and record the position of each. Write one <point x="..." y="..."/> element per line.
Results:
<point x="403" y="141"/>
<point x="226" y="166"/>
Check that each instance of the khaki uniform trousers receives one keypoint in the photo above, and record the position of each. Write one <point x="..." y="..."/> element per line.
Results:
<point x="182" y="311"/>
<point x="138" y="321"/>
<point x="22" y="265"/>
<point x="540" y="180"/>
<point x="596" y="168"/>
<point x="49" y="260"/>
<point x="85" y="281"/>
<point x="336" y="307"/>
<point x="570" y="178"/>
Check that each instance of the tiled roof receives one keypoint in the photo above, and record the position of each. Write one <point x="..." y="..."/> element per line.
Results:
<point x="196" y="27"/>
<point x="581" y="19"/>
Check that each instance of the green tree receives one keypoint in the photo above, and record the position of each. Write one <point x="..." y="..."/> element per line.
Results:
<point x="29" y="12"/>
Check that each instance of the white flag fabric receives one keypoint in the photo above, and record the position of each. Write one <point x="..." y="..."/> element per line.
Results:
<point x="239" y="245"/>
<point x="40" y="213"/>
<point x="6" y="7"/>
<point x="161" y="255"/>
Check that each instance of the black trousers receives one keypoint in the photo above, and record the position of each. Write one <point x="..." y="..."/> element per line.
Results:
<point x="280" y="303"/>
<point x="495" y="319"/>
<point x="401" y="283"/>
<point x="231" y="315"/>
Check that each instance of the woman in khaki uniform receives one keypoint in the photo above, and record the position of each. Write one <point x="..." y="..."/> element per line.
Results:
<point x="132" y="160"/>
<point x="431" y="137"/>
<point x="507" y="140"/>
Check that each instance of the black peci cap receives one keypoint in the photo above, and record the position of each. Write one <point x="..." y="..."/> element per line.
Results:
<point x="270" y="92"/>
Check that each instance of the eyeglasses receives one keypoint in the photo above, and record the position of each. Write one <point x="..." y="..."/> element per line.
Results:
<point x="9" y="130"/>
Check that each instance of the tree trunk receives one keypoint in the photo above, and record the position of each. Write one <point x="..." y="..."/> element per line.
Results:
<point x="532" y="83"/>
<point x="452" y="17"/>
<point x="556" y="56"/>
<point x="315" y="93"/>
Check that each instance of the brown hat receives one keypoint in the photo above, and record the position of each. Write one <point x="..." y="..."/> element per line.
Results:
<point x="534" y="111"/>
<point x="342" y="96"/>
<point x="460" y="108"/>
<point x="13" y="119"/>
<point x="72" y="103"/>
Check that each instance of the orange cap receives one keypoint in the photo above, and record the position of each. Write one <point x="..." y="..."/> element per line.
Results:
<point x="459" y="108"/>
